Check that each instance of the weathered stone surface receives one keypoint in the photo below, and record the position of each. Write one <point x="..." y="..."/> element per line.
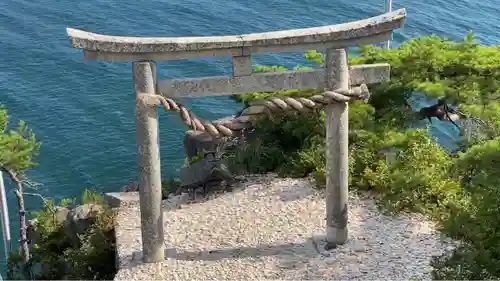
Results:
<point x="32" y="230"/>
<point x="202" y="171"/>
<point x="80" y="219"/>
<point x="83" y="214"/>
<point x="269" y="82"/>
<point x="61" y="214"/>
<point x="205" y="173"/>
<point x="122" y="199"/>
<point x="74" y="221"/>
<point x="242" y="66"/>
<point x="317" y="35"/>
<point x="147" y="135"/>
<point x="196" y="142"/>
<point x="132" y="186"/>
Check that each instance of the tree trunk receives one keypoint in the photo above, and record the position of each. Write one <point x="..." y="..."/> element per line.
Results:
<point x="23" y="237"/>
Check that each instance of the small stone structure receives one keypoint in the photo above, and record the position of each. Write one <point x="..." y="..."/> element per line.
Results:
<point x="336" y="78"/>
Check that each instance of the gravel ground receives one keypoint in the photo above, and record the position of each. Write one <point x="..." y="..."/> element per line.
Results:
<point x="272" y="228"/>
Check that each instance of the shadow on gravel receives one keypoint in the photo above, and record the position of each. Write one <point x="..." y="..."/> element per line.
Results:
<point x="293" y="257"/>
<point x="307" y="249"/>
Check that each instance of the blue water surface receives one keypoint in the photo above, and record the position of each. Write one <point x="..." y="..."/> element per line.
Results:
<point x="84" y="113"/>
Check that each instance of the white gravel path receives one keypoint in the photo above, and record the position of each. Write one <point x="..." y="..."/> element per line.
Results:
<point x="272" y="229"/>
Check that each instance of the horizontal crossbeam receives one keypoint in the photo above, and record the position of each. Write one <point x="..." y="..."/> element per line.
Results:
<point x="121" y="48"/>
<point x="269" y="82"/>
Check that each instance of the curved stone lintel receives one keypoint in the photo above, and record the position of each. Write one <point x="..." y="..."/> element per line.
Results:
<point x="92" y="42"/>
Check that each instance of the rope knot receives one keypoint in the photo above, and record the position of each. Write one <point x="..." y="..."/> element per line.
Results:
<point x="347" y="95"/>
<point x="144" y="100"/>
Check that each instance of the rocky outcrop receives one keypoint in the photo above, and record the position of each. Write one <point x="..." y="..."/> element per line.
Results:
<point x="74" y="221"/>
<point x="196" y="142"/>
<point x="208" y="172"/>
<point x="212" y="170"/>
<point x="132" y="186"/>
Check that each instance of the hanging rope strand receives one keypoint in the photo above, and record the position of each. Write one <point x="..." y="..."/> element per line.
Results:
<point x="269" y="105"/>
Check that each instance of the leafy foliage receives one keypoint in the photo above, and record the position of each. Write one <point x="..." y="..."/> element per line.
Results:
<point x="169" y="186"/>
<point x="17" y="147"/>
<point x="406" y="165"/>
<point x="56" y="256"/>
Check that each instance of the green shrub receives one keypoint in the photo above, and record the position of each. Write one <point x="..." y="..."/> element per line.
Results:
<point x="55" y="256"/>
<point x="477" y="221"/>
<point x="169" y="186"/>
<point x="409" y="169"/>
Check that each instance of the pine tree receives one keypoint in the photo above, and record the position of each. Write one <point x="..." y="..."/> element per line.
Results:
<point x="17" y="149"/>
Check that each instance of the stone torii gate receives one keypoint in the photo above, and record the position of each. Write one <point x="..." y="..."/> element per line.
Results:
<point x="336" y="76"/>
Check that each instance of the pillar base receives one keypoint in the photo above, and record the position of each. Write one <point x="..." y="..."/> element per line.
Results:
<point x="335" y="237"/>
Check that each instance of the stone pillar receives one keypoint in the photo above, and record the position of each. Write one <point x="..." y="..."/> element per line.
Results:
<point x="337" y="161"/>
<point x="149" y="164"/>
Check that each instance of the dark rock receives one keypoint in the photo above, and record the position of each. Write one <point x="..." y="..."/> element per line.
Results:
<point x="209" y="171"/>
<point x="212" y="170"/>
<point x="32" y="231"/>
<point x="80" y="219"/>
<point x="85" y="211"/>
<point x="196" y="142"/>
<point x="131" y="187"/>
<point x="82" y="216"/>
<point x="61" y="214"/>
<point x="198" y="172"/>
<point x="73" y="221"/>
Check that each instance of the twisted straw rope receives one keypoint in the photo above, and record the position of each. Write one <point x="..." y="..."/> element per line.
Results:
<point x="268" y="105"/>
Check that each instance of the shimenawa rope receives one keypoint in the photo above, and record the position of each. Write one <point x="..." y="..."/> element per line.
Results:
<point x="273" y="104"/>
